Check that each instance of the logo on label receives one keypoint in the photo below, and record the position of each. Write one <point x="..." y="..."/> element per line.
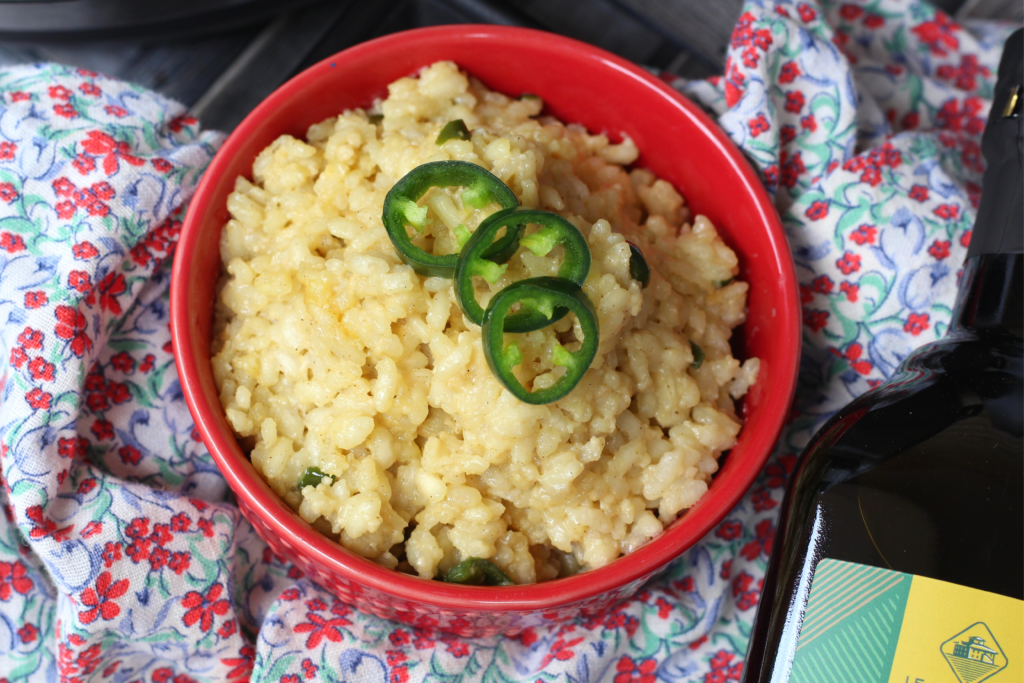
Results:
<point x="974" y="654"/>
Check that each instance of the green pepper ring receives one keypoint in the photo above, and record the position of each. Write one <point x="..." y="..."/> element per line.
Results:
<point x="473" y="261"/>
<point x="552" y="291"/>
<point x="482" y="188"/>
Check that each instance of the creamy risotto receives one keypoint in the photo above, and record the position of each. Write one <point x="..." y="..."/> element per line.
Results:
<point x="330" y="352"/>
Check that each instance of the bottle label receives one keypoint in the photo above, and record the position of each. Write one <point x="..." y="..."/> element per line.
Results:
<point x="869" y="624"/>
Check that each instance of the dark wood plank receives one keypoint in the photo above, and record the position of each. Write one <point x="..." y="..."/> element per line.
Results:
<point x="702" y="28"/>
<point x="182" y="70"/>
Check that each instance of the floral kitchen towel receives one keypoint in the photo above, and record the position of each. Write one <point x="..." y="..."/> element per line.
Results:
<point x="122" y="556"/>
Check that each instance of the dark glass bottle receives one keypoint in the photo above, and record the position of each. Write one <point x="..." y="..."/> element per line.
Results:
<point x="923" y="475"/>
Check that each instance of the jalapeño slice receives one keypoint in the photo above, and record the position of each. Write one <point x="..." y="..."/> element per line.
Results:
<point x="539" y="293"/>
<point x="638" y="268"/>
<point x="476" y="571"/>
<point x="401" y="209"/>
<point x="475" y="261"/>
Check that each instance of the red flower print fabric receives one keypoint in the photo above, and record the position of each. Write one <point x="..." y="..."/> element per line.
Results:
<point x="122" y="555"/>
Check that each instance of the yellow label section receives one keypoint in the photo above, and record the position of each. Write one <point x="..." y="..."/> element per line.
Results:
<point x="953" y="634"/>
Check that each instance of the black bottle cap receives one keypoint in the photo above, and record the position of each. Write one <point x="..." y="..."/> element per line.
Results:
<point x="999" y="227"/>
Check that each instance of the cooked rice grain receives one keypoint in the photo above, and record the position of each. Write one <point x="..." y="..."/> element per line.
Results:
<point x="333" y="353"/>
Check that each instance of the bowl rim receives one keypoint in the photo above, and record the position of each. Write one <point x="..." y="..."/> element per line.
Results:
<point x="250" y="489"/>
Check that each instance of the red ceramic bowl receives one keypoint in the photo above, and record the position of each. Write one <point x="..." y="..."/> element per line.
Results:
<point x="579" y="83"/>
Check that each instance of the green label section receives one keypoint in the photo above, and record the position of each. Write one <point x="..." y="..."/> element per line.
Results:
<point x="870" y="625"/>
<point x="852" y="624"/>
